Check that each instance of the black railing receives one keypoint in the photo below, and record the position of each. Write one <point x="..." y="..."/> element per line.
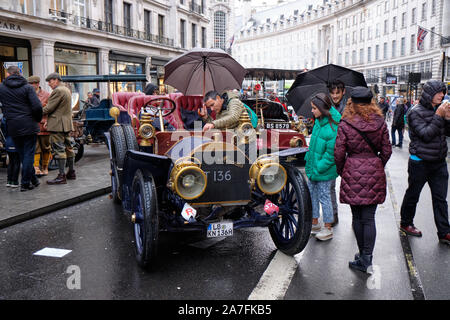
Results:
<point x="372" y="80"/>
<point x="194" y="7"/>
<point x="445" y="40"/>
<point x="91" y="24"/>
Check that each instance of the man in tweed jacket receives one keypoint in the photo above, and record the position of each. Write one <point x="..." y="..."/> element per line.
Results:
<point x="228" y="110"/>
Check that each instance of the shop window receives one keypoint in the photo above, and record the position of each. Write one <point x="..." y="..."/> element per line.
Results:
<point x="73" y="62"/>
<point x="6" y="51"/>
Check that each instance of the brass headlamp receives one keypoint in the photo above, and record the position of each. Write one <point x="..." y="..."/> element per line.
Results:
<point x="268" y="174"/>
<point x="146" y="129"/>
<point x="187" y="179"/>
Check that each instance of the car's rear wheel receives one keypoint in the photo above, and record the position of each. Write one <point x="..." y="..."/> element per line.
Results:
<point x="291" y="231"/>
<point x="146" y="221"/>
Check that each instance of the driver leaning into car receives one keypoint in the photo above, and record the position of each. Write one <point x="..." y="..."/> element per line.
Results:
<point x="228" y="110"/>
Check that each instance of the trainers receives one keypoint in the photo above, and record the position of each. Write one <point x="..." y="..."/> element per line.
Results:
<point x="445" y="239"/>
<point x="13" y="184"/>
<point x="8" y="184"/>
<point x="325" y="234"/>
<point x="316" y="228"/>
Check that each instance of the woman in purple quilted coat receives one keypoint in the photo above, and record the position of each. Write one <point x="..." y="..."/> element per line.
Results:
<point x="361" y="152"/>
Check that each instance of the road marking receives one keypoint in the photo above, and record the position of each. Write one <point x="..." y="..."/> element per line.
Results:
<point x="277" y="277"/>
<point x="52" y="252"/>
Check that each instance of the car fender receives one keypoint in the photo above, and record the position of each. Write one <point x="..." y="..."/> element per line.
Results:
<point x="150" y="164"/>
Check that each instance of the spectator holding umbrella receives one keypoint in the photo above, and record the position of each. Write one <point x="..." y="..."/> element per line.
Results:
<point x="361" y="153"/>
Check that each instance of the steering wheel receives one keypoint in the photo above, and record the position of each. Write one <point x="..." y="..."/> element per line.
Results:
<point x="154" y="105"/>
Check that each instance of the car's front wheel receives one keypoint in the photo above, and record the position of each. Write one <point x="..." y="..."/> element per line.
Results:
<point x="146" y="221"/>
<point x="291" y="231"/>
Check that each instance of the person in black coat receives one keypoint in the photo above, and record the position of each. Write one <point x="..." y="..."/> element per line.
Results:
<point x="429" y="124"/>
<point x="398" y="123"/>
<point x="384" y="106"/>
<point x="23" y="112"/>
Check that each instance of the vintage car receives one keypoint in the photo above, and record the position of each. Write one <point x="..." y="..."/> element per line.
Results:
<point x="214" y="183"/>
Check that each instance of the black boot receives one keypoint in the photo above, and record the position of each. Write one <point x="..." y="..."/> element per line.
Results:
<point x="364" y="263"/>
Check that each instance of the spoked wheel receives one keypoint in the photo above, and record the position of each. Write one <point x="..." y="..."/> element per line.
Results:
<point x="146" y="221"/>
<point x="291" y="231"/>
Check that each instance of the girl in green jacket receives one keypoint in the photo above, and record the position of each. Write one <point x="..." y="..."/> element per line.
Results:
<point x="320" y="167"/>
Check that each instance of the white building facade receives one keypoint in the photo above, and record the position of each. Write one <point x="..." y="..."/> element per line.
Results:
<point x="376" y="37"/>
<point x="88" y="37"/>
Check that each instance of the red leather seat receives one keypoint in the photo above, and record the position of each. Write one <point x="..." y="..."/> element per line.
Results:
<point x="137" y="102"/>
<point x="191" y="103"/>
<point x="121" y="99"/>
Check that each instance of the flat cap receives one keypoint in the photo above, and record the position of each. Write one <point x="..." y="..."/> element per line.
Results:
<point x="33" y="79"/>
<point x="361" y="95"/>
<point x="54" y="75"/>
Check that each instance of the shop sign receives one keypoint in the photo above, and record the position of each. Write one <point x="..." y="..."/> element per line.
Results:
<point x="10" y="26"/>
<point x="391" y="79"/>
<point x="6" y="65"/>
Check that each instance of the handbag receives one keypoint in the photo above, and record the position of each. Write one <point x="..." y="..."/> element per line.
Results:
<point x="363" y="135"/>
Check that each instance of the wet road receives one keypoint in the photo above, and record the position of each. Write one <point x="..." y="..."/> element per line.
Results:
<point x="101" y="264"/>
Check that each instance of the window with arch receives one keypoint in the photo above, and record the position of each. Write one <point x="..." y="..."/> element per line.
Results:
<point x="219" y="30"/>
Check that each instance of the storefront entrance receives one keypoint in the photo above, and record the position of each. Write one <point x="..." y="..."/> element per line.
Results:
<point x="15" y="52"/>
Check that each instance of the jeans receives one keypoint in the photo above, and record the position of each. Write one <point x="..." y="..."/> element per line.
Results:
<point x="13" y="167"/>
<point x="436" y="174"/>
<point x="320" y="194"/>
<point x="400" y="135"/>
<point x="26" y="146"/>
<point x="333" y="197"/>
<point x="363" y="224"/>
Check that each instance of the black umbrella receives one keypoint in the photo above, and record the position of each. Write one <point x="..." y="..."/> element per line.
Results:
<point x="314" y="81"/>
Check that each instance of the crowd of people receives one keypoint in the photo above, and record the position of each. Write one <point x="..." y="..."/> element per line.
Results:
<point x="350" y="139"/>
<point x="36" y="124"/>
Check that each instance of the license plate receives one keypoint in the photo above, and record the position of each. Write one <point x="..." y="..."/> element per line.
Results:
<point x="275" y="125"/>
<point x="220" y="229"/>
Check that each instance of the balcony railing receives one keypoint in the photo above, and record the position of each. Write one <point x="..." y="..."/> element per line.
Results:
<point x="194" y="7"/>
<point x="107" y="27"/>
<point x="372" y="80"/>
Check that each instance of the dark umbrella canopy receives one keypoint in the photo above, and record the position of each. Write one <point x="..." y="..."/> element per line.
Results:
<point x="201" y="70"/>
<point x="309" y="83"/>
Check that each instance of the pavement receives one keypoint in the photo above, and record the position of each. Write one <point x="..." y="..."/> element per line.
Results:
<point x="92" y="181"/>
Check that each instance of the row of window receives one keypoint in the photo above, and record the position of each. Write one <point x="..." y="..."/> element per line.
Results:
<point x="193" y="35"/>
<point x="377" y="53"/>
<point x="424" y="13"/>
<point x="402" y="71"/>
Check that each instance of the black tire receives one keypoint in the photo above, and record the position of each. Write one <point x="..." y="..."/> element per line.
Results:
<point x="130" y="137"/>
<point x="146" y="227"/>
<point x="118" y="145"/>
<point x="292" y="230"/>
<point x="116" y="188"/>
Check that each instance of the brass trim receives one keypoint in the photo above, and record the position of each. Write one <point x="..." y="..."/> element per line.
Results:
<point x="258" y="179"/>
<point x="115" y="112"/>
<point x="175" y="175"/>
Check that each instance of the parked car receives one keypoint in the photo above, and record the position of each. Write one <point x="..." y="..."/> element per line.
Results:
<point x="181" y="180"/>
